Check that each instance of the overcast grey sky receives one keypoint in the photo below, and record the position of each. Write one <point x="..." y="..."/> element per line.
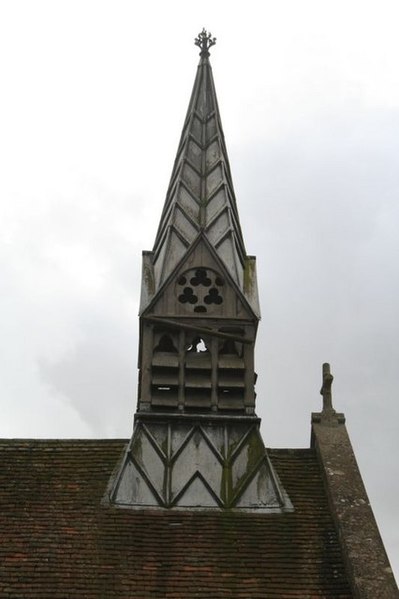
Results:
<point x="92" y="104"/>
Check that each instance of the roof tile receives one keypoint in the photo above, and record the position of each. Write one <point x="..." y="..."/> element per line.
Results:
<point x="60" y="540"/>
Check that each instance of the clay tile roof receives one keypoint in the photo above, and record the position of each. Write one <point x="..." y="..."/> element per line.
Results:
<point x="59" y="538"/>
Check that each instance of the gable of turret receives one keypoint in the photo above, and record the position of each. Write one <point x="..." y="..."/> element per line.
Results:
<point x="199" y="287"/>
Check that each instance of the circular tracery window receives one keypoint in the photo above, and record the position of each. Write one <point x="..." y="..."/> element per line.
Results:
<point x="200" y="289"/>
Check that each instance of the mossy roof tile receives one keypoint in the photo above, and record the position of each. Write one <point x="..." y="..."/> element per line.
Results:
<point x="60" y="540"/>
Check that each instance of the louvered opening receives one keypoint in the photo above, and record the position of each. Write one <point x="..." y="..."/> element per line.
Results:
<point x="230" y="397"/>
<point x="230" y="378"/>
<point x="164" y="394"/>
<point x="196" y="397"/>
<point x="198" y="380"/>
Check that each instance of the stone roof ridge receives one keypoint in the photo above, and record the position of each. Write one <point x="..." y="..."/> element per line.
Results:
<point x="367" y="564"/>
<point x="200" y="195"/>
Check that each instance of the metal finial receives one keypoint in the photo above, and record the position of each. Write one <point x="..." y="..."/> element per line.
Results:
<point x="325" y="390"/>
<point x="205" y="41"/>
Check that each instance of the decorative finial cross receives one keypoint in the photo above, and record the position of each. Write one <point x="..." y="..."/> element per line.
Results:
<point x="328" y="416"/>
<point x="325" y="390"/>
<point x="205" y="41"/>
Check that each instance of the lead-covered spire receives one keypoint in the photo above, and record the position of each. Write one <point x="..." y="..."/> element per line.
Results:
<point x="200" y="197"/>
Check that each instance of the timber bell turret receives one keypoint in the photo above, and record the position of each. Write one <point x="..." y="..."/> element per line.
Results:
<point x="196" y="441"/>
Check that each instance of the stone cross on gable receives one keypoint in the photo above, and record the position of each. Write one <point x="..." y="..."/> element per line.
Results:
<point x="325" y="390"/>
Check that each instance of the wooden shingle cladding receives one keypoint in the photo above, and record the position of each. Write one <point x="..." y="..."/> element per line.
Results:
<point x="59" y="539"/>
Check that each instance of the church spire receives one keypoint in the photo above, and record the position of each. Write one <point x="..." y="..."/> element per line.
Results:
<point x="200" y="199"/>
<point x="196" y="442"/>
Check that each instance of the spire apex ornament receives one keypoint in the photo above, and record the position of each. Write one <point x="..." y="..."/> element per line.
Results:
<point x="205" y="41"/>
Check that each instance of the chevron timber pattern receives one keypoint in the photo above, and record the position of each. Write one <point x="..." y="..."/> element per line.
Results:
<point x="193" y="464"/>
<point x="200" y="197"/>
